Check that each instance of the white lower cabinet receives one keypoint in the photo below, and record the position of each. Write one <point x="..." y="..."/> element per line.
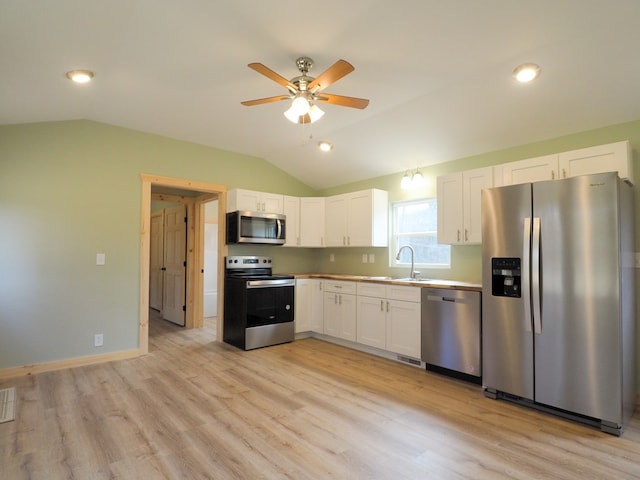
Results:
<point x="388" y="317"/>
<point x="403" y="328"/>
<point x="308" y="305"/>
<point x="339" y="309"/>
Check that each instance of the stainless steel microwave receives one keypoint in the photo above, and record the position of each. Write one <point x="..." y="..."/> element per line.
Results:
<point x="256" y="227"/>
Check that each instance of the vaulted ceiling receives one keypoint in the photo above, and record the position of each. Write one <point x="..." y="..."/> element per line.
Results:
<point x="438" y="74"/>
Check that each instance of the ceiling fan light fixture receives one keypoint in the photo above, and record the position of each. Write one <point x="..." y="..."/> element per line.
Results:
<point x="315" y="113"/>
<point x="526" y="72"/>
<point x="292" y="116"/>
<point x="300" y="105"/>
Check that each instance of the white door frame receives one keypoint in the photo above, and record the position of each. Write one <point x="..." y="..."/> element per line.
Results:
<point x="195" y="250"/>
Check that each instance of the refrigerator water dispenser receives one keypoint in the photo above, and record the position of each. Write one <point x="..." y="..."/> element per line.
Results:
<point x="505" y="277"/>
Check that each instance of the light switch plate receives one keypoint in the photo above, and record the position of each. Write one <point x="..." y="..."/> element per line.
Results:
<point x="100" y="258"/>
<point x="372" y="258"/>
<point x="364" y="258"/>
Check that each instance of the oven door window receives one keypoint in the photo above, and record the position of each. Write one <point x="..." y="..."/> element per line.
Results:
<point x="268" y="305"/>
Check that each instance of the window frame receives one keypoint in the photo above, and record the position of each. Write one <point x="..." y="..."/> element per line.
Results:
<point x="394" y="245"/>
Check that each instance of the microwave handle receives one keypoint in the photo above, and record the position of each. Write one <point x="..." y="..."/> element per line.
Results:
<point x="279" y="228"/>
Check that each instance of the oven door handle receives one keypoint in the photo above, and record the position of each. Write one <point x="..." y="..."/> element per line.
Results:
<point x="284" y="282"/>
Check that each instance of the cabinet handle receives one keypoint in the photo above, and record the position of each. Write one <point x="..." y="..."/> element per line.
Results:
<point x="466" y="235"/>
<point x="335" y="298"/>
<point x="339" y="299"/>
<point x="382" y="305"/>
<point x="348" y="240"/>
<point x="458" y="235"/>
<point x="344" y="240"/>
<point x="387" y="307"/>
<point x="553" y="175"/>
<point x="564" y="173"/>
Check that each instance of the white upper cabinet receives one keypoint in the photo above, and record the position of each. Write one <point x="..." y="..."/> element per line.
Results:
<point x="459" y="205"/>
<point x="529" y="170"/>
<point x="239" y="199"/>
<point x="312" y="222"/>
<point x="357" y="219"/>
<point x="613" y="157"/>
<point x="291" y="209"/>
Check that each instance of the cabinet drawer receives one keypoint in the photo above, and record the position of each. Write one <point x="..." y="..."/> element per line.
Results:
<point x="400" y="292"/>
<point x="337" y="286"/>
<point x="366" y="289"/>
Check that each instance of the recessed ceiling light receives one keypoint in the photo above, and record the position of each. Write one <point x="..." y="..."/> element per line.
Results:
<point x="80" y="76"/>
<point x="526" y="72"/>
<point x="325" y="146"/>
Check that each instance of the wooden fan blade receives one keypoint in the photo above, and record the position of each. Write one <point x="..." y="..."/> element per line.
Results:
<point x="279" y="79"/>
<point x="332" y="74"/>
<point x="260" y="101"/>
<point x="343" y="101"/>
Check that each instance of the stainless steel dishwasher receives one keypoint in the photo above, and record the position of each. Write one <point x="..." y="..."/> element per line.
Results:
<point x="451" y="332"/>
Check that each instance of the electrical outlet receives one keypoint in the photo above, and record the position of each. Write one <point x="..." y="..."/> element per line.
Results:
<point x="100" y="258"/>
<point x="332" y="257"/>
<point x="372" y="258"/>
<point x="364" y="258"/>
<point x="98" y="340"/>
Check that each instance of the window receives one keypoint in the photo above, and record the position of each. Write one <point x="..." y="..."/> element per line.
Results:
<point x="415" y="223"/>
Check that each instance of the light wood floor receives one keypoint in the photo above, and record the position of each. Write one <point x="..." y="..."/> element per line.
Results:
<point x="195" y="409"/>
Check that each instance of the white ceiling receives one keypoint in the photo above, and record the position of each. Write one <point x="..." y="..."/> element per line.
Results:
<point x="438" y="74"/>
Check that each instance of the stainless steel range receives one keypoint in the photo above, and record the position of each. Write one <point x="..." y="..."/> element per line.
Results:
<point x="258" y="305"/>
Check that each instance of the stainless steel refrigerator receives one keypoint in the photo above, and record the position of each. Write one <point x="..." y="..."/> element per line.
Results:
<point x="558" y="309"/>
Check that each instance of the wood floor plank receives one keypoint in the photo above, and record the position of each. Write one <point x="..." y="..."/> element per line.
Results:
<point x="196" y="409"/>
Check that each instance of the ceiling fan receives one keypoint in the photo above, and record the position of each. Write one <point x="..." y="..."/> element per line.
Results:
<point x="304" y="90"/>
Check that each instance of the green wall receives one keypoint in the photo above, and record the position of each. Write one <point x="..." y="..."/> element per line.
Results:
<point x="71" y="189"/>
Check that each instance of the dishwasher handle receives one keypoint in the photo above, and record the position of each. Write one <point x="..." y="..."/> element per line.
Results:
<point x="440" y="298"/>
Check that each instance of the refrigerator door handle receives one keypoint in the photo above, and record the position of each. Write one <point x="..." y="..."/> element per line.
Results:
<point x="526" y="285"/>
<point x="535" y="276"/>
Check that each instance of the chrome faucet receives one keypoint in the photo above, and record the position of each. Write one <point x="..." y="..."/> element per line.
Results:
<point x="413" y="274"/>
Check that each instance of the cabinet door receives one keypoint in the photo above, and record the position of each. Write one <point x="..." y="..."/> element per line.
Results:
<point x="371" y="324"/>
<point x="331" y="314"/>
<point x="531" y="170"/>
<point x="347" y="309"/>
<point x="272" y="203"/>
<point x="613" y="157"/>
<point x="317" y="307"/>
<point x="239" y="199"/>
<point x="312" y="222"/>
<point x="359" y="219"/>
<point x="292" y="212"/>
<point x="336" y="221"/>
<point x="450" y="208"/>
<point x="403" y="328"/>
<point x="303" y="305"/>
<point x="473" y="182"/>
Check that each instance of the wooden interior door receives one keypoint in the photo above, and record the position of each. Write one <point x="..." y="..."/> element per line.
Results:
<point x="175" y="254"/>
<point x="156" y="260"/>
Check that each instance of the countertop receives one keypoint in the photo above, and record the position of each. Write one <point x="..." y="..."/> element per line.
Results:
<point x="424" y="282"/>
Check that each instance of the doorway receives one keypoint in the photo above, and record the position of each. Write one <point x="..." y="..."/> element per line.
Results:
<point x="194" y="195"/>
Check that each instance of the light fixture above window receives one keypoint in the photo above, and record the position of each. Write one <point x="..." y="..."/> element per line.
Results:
<point x="412" y="179"/>
<point x="526" y="72"/>
<point x="80" y="76"/>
